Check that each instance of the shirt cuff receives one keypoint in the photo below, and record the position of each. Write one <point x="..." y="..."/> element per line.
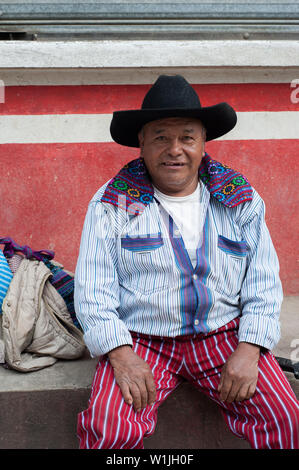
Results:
<point x="262" y="331"/>
<point x="99" y="344"/>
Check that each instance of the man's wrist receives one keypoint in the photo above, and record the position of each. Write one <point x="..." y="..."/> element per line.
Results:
<point x="119" y="351"/>
<point x="250" y="348"/>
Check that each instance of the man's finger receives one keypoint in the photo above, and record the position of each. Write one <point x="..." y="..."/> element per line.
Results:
<point x="246" y="392"/>
<point x="221" y="382"/>
<point x="125" y="390"/>
<point x="251" y="390"/>
<point x="243" y="393"/>
<point x="147" y="393"/>
<point x="233" y="392"/>
<point x="225" y="388"/>
<point x="143" y="394"/>
<point x="151" y="390"/>
<point x="136" y="394"/>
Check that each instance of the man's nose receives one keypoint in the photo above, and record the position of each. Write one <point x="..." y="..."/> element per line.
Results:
<point x="174" y="147"/>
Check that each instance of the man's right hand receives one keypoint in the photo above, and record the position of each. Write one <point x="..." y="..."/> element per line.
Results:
<point x="134" y="377"/>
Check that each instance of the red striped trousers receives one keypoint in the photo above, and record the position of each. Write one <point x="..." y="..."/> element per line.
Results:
<point x="269" y="420"/>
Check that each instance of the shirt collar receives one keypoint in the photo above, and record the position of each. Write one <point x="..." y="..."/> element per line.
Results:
<point x="131" y="189"/>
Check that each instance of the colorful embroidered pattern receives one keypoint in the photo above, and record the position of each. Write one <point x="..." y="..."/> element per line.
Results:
<point x="225" y="184"/>
<point x="131" y="188"/>
<point x="65" y="285"/>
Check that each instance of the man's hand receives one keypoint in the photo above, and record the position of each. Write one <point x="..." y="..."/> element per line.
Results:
<point x="134" y="377"/>
<point x="239" y="374"/>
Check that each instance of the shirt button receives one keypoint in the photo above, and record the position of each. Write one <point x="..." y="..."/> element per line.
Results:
<point x="196" y="322"/>
<point x="194" y="276"/>
<point x="177" y="233"/>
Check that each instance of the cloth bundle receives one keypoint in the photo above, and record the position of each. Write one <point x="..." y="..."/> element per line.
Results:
<point x="38" y="322"/>
<point x="61" y="279"/>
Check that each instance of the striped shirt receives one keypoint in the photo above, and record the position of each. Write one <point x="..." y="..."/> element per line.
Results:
<point x="134" y="274"/>
<point x="5" y="278"/>
<point x="186" y="212"/>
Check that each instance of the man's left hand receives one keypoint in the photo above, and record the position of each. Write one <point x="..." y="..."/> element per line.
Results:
<point x="239" y="374"/>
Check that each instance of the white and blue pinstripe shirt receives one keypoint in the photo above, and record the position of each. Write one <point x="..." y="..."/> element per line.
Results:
<point x="134" y="274"/>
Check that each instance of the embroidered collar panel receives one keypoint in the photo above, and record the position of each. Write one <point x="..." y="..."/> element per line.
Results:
<point x="131" y="189"/>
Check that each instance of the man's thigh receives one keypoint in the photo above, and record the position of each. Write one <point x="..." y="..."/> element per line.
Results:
<point x="109" y="422"/>
<point x="270" y="419"/>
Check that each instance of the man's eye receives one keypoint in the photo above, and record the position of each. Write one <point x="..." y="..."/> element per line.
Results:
<point x="187" y="137"/>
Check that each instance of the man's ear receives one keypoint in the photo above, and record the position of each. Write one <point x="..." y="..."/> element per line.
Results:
<point x="140" y="139"/>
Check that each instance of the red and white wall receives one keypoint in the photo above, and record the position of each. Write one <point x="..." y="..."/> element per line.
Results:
<point x="56" y="150"/>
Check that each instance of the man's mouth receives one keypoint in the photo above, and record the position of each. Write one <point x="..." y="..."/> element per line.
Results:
<point x="173" y="163"/>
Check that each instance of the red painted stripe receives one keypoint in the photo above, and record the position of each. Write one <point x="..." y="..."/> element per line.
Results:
<point x="46" y="189"/>
<point x="89" y="99"/>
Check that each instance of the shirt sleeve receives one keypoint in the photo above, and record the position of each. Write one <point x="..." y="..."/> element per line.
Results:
<point x="261" y="293"/>
<point x="96" y="285"/>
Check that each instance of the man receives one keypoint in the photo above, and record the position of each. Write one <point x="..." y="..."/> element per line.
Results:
<point x="177" y="279"/>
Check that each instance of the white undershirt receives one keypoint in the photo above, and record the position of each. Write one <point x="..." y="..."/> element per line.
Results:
<point x="186" y="213"/>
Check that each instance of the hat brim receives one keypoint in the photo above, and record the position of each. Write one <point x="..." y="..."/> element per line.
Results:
<point x="125" y="125"/>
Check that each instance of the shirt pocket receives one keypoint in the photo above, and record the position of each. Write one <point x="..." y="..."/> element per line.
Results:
<point x="144" y="264"/>
<point x="236" y="249"/>
<point x="142" y="244"/>
<point x="232" y="266"/>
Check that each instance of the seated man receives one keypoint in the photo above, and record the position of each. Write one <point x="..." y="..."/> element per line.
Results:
<point x="177" y="279"/>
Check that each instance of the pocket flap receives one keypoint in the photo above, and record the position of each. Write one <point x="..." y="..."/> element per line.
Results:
<point x="232" y="247"/>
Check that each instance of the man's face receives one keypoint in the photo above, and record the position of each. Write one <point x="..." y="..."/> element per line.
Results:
<point x="172" y="150"/>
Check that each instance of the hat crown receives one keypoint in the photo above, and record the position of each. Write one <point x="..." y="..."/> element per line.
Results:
<point x="171" y="92"/>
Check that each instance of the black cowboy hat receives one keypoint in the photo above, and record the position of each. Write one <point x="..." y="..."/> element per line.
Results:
<point x="171" y="96"/>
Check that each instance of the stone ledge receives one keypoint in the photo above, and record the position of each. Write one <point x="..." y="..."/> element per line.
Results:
<point x="43" y="415"/>
<point x="147" y="54"/>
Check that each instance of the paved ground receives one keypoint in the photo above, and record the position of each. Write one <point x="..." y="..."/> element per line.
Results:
<point x="288" y="345"/>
